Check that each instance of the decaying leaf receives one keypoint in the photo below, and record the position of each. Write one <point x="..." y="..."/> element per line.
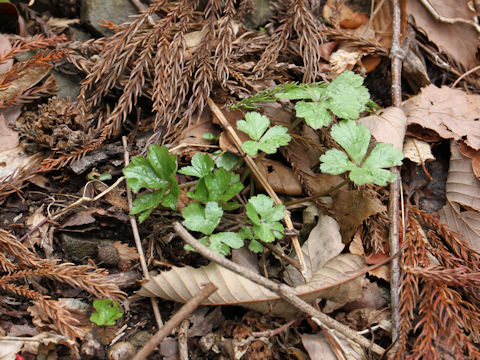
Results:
<point x="318" y="347"/>
<point x="417" y="151"/>
<point x="352" y="208"/>
<point x="461" y="213"/>
<point x="181" y="283"/>
<point x="464" y="48"/>
<point x="280" y="177"/>
<point x="323" y="244"/>
<point x="387" y="126"/>
<point x="451" y="113"/>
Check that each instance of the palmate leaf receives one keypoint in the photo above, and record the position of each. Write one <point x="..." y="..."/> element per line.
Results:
<point x="355" y="138"/>
<point x="255" y="126"/>
<point x="347" y="96"/>
<point x="201" y="218"/>
<point x="265" y="216"/>
<point x="202" y="165"/>
<point x="315" y="114"/>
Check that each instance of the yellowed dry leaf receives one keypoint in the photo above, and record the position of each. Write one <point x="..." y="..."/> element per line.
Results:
<point x="462" y="185"/>
<point x="451" y="113"/>
<point x="417" y="151"/>
<point x="387" y="126"/>
<point x="181" y="283"/>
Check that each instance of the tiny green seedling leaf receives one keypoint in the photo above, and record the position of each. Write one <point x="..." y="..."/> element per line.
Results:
<point x="268" y="141"/>
<point x="265" y="216"/>
<point x="201" y="218"/>
<point x="107" y="312"/>
<point x="202" y="165"/>
<point x="222" y="242"/>
<point x="354" y="139"/>
<point x="209" y="136"/>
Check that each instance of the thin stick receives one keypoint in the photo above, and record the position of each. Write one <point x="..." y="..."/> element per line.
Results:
<point x="284" y="291"/>
<point x="138" y="242"/>
<point x="465" y="74"/>
<point x="182" y="340"/>
<point x="259" y="175"/>
<point x="181" y="314"/>
<point x="397" y="55"/>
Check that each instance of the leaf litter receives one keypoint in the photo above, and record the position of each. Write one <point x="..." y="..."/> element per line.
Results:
<point x="214" y="55"/>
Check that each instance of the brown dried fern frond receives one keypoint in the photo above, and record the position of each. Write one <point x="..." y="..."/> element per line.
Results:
<point x="28" y="264"/>
<point x="438" y="293"/>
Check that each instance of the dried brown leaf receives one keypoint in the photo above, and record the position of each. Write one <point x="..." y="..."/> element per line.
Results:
<point x="387" y="126"/>
<point x="352" y="208"/>
<point x="280" y="177"/>
<point x="451" y="113"/>
<point x="180" y="284"/>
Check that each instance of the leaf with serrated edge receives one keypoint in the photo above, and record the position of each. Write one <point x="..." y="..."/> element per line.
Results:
<point x="353" y="137"/>
<point x="181" y="283"/>
<point x="335" y="162"/>
<point x="274" y="138"/>
<point x="315" y="114"/>
<point x="314" y="91"/>
<point x="250" y="147"/>
<point x="140" y="174"/>
<point x="202" y="165"/>
<point x="254" y="124"/>
<point x="201" y="218"/>
<point x="347" y="95"/>
<point x="162" y="162"/>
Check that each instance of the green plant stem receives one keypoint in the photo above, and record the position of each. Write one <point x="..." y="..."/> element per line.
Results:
<point x="316" y="196"/>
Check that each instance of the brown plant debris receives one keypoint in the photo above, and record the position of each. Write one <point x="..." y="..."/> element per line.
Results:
<point x="27" y="264"/>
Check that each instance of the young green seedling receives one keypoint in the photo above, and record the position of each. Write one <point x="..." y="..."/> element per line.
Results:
<point x="107" y="312"/>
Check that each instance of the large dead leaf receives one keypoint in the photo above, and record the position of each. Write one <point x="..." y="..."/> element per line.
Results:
<point x="387" y="126"/>
<point x="182" y="283"/>
<point x="352" y="208"/>
<point x="323" y="244"/>
<point x="459" y="41"/>
<point x="280" y="177"/>
<point x="461" y="213"/>
<point x="451" y="113"/>
<point x="27" y="78"/>
<point x="318" y="347"/>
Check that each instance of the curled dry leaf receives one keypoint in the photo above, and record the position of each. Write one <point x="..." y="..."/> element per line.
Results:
<point x="387" y="126"/>
<point x="451" y="113"/>
<point x="181" y="283"/>
<point x="417" y="151"/>
<point x="472" y="154"/>
<point x="461" y="213"/>
<point x="464" y="48"/>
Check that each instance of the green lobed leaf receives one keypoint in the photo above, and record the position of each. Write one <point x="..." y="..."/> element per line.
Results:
<point x="251" y="147"/>
<point x="202" y="165"/>
<point x="263" y="205"/>
<point x="201" y="218"/>
<point x="347" y="95"/>
<point x="255" y="246"/>
<point x="313" y="91"/>
<point x="335" y="162"/>
<point x="162" y="162"/>
<point x="171" y="198"/>
<point x="222" y="186"/>
<point x="140" y="174"/>
<point x="274" y="138"/>
<point x="315" y="113"/>
<point x="228" y="239"/>
<point x="254" y="124"/>
<point x="227" y="160"/>
<point x="383" y="155"/>
<point x="353" y="137"/>
<point x="146" y="201"/>
<point x="107" y="312"/>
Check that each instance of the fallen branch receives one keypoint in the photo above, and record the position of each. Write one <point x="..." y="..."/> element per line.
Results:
<point x="181" y="314"/>
<point x="285" y="291"/>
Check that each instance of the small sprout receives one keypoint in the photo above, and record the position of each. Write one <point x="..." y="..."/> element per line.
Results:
<point x="107" y="312"/>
